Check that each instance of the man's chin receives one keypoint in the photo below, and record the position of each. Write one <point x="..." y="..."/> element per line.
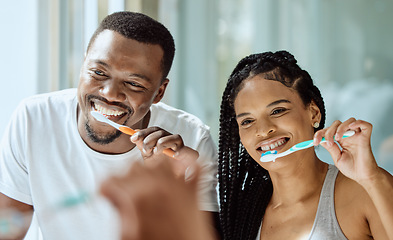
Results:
<point x="100" y="138"/>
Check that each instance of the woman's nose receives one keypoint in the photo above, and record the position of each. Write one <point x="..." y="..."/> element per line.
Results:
<point x="265" y="128"/>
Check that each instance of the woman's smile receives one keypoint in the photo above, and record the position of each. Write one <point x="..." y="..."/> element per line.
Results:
<point x="274" y="144"/>
<point x="270" y="116"/>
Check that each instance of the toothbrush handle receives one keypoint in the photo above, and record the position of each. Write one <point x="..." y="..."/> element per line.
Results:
<point x="169" y="152"/>
<point x="127" y="130"/>
<point x="346" y="134"/>
<point x="310" y="143"/>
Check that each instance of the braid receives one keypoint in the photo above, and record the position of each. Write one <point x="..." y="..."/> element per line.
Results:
<point x="245" y="188"/>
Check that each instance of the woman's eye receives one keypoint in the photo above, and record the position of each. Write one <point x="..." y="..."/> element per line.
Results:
<point x="245" y="122"/>
<point x="278" y="111"/>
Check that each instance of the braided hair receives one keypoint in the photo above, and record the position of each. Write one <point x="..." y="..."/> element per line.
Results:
<point x="245" y="188"/>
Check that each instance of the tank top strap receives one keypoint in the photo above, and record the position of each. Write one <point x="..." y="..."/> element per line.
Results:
<point x="325" y="224"/>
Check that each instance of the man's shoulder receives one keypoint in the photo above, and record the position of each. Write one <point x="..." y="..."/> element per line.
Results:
<point x="168" y="115"/>
<point x="69" y="93"/>
<point x="193" y="131"/>
<point x="55" y="97"/>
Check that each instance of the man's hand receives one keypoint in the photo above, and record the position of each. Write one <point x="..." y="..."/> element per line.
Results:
<point x="155" y="204"/>
<point x="153" y="141"/>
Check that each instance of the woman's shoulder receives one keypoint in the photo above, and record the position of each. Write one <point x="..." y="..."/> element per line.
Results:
<point x="348" y="190"/>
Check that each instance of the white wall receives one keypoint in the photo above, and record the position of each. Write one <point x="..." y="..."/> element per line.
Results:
<point x="19" y="56"/>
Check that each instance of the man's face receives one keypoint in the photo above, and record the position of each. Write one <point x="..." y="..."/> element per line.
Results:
<point x="120" y="78"/>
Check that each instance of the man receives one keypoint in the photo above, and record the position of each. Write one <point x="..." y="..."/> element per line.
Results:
<point x="54" y="151"/>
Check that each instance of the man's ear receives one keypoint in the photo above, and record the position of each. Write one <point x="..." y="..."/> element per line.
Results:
<point x="315" y="113"/>
<point x="161" y="91"/>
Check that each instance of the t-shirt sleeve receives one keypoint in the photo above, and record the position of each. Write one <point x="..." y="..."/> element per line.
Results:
<point x="208" y="159"/>
<point x="14" y="177"/>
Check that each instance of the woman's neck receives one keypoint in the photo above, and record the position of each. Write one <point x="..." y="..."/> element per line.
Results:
<point x="298" y="182"/>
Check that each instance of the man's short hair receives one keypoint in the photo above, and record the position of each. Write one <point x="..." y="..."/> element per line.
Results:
<point x="141" y="28"/>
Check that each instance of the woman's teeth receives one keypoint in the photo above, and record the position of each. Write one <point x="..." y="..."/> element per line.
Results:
<point x="273" y="145"/>
<point x="108" y="112"/>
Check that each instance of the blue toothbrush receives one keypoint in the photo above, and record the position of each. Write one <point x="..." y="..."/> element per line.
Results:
<point x="270" y="156"/>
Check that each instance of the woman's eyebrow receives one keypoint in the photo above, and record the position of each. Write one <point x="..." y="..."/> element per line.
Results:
<point x="278" y="102"/>
<point x="269" y="105"/>
<point x="242" y="115"/>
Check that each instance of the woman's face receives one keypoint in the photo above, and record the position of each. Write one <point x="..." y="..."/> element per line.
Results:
<point x="272" y="116"/>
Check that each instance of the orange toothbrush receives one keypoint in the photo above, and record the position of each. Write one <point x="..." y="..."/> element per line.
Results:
<point x="127" y="130"/>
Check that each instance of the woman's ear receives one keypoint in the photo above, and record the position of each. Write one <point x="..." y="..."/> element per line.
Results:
<point x="315" y="114"/>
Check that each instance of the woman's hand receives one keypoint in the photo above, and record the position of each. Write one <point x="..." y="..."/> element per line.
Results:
<point x="154" y="141"/>
<point x="356" y="161"/>
<point x="352" y="155"/>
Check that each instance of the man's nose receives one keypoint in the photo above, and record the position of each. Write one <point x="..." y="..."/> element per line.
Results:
<point x="113" y="91"/>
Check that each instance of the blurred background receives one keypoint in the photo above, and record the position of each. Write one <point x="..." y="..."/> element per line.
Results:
<point x="346" y="46"/>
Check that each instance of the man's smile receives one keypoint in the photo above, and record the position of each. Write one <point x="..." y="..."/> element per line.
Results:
<point x="112" y="112"/>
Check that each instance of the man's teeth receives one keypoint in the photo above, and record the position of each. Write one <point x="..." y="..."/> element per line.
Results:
<point x="273" y="145"/>
<point x="108" y="112"/>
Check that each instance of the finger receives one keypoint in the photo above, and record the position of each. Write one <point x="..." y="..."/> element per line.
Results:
<point x="140" y="135"/>
<point x="139" y="145"/>
<point x="146" y="143"/>
<point x="342" y="128"/>
<point x="151" y="141"/>
<point x="318" y="136"/>
<point x="175" y="142"/>
<point x="137" y="138"/>
<point x="362" y="126"/>
<point x="334" y="150"/>
<point x="331" y="132"/>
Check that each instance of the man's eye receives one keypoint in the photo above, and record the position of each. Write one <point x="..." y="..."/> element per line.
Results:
<point x="135" y="86"/>
<point x="99" y="73"/>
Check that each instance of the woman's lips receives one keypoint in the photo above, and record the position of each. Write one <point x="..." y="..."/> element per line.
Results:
<point x="276" y="144"/>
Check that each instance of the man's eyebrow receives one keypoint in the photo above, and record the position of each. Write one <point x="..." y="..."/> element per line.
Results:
<point x="140" y="76"/>
<point x="136" y="75"/>
<point x="269" y="105"/>
<point x="101" y="63"/>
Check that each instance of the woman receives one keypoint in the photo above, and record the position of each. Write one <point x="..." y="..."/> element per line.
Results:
<point x="270" y="103"/>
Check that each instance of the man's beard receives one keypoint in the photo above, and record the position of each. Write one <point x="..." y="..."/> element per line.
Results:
<point x="103" y="140"/>
<point x="106" y="139"/>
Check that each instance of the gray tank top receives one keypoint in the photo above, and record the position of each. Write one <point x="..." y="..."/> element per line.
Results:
<point x="325" y="223"/>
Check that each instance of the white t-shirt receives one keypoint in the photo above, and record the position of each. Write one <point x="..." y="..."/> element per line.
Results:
<point x="43" y="161"/>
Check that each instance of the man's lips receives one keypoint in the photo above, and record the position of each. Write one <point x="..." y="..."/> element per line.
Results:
<point x="112" y="112"/>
